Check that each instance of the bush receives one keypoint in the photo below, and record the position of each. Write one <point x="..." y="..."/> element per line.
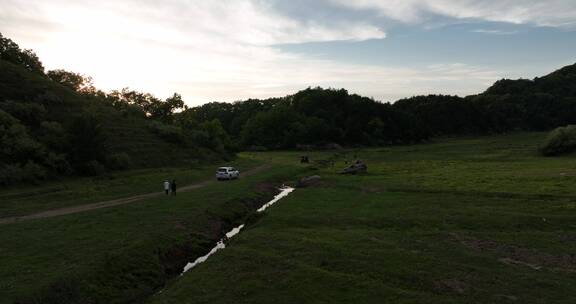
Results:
<point x="10" y="174"/>
<point x="58" y="163"/>
<point x="48" y="98"/>
<point x="93" y="168"/>
<point x="53" y="135"/>
<point x="120" y="161"/>
<point x="87" y="139"/>
<point x="13" y="173"/>
<point x="16" y="145"/>
<point x="560" y="141"/>
<point x="167" y="132"/>
<point x="33" y="172"/>
<point x="26" y="112"/>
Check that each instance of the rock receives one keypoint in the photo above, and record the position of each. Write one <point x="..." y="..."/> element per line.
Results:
<point x="357" y="167"/>
<point x="308" y="181"/>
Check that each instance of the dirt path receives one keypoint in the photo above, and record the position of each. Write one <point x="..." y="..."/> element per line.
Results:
<point x="112" y="203"/>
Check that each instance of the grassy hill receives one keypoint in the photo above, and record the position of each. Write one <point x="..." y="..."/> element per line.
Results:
<point x="47" y="115"/>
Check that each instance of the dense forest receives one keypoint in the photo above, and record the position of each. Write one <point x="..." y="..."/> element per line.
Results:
<point x="55" y="123"/>
<point x="317" y="116"/>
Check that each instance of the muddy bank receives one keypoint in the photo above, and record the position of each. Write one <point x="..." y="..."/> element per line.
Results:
<point x="136" y="273"/>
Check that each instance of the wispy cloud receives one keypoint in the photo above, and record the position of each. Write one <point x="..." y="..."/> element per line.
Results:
<point x="494" y="32"/>
<point x="213" y="50"/>
<point x="556" y="13"/>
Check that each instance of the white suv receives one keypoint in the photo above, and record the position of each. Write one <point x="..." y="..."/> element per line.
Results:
<point x="227" y="173"/>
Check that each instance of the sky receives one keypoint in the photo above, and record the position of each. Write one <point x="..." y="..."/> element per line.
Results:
<point x="230" y="50"/>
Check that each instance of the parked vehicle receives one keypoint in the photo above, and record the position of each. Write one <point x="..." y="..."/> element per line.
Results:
<point x="227" y="173"/>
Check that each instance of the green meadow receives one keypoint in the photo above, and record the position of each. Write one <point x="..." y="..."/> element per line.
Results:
<point x="67" y="192"/>
<point x="123" y="254"/>
<point x="479" y="220"/>
<point x="467" y="220"/>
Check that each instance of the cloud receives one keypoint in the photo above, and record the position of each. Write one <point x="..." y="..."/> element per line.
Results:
<point x="211" y="50"/>
<point x="494" y="32"/>
<point x="555" y="13"/>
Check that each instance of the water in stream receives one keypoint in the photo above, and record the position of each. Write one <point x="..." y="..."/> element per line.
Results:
<point x="221" y="244"/>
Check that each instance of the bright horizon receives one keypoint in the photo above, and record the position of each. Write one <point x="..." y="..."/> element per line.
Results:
<point x="238" y="49"/>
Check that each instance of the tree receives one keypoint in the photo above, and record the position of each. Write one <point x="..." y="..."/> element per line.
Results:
<point x="164" y="110"/>
<point x="11" y="52"/>
<point x="219" y="140"/>
<point x="75" y="81"/>
<point x="152" y="106"/>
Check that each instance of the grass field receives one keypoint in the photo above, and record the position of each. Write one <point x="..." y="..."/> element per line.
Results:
<point x="480" y="220"/>
<point x="72" y="192"/>
<point x="121" y="254"/>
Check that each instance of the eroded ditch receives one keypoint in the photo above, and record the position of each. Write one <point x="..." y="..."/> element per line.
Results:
<point x="134" y="274"/>
<point x="221" y="244"/>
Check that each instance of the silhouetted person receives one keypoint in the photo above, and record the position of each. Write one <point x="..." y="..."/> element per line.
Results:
<point x="166" y="187"/>
<point x="173" y="187"/>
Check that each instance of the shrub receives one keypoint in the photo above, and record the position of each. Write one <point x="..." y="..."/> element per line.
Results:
<point x="27" y="112"/>
<point x="33" y="172"/>
<point x="120" y="161"/>
<point x="87" y="139"/>
<point x="58" y="163"/>
<point x="560" y="141"/>
<point x="10" y="174"/>
<point x="168" y="133"/>
<point x="93" y="168"/>
<point x="53" y="135"/>
<point x="16" y="145"/>
<point x="48" y="98"/>
<point x="6" y="119"/>
<point x="14" y="173"/>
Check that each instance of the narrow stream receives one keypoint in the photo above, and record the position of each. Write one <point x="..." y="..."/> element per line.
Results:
<point x="221" y="244"/>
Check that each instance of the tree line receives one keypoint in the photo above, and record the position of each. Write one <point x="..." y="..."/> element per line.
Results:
<point x="54" y="122"/>
<point x="317" y="116"/>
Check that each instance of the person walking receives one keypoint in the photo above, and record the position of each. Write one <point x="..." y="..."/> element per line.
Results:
<point x="166" y="187"/>
<point x="173" y="187"/>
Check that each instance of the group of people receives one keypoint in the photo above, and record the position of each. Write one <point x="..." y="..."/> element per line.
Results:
<point x="170" y="187"/>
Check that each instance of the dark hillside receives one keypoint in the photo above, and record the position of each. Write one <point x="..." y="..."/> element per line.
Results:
<point x="540" y="104"/>
<point x="50" y="127"/>
<point x="561" y="83"/>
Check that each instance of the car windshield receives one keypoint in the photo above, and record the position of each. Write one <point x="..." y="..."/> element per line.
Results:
<point x="222" y="170"/>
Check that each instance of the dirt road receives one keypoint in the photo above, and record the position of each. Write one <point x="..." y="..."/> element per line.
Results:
<point x="112" y="203"/>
